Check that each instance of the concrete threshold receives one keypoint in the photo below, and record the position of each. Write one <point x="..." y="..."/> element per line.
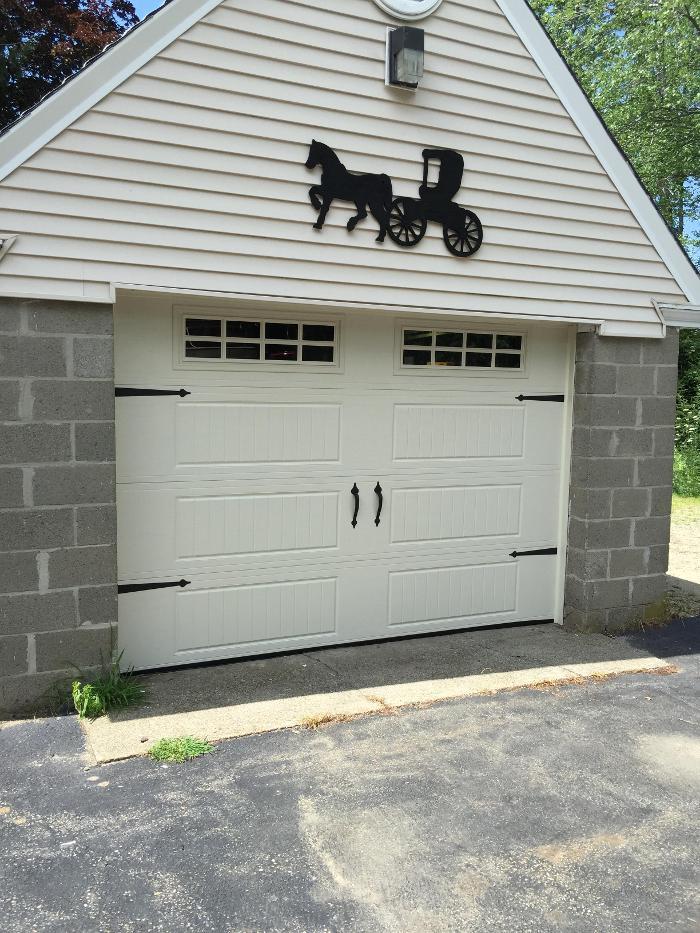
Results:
<point x="127" y="735"/>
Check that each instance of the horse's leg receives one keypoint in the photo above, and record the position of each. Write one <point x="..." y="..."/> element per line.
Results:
<point x="314" y="193"/>
<point x="327" y="201"/>
<point x="360" y="215"/>
<point x="379" y="213"/>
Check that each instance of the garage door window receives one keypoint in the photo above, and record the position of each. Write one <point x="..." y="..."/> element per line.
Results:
<point x="259" y="341"/>
<point x="461" y="349"/>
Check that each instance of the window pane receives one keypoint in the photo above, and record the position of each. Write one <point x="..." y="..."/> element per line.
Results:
<point x="319" y="332"/>
<point x="280" y="351"/>
<point x="242" y="351"/>
<point x="202" y="350"/>
<point x="480" y="341"/>
<point x="416" y="357"/>
<point x="317" y="354"/>
<point x="508" y="360"/>
<point x="446" y="339"/>
<point x="477" y="359"/>
<point x="448" y="358"/>
<point x="282" y="331"/>
<point x="194" y="327"/>
<point x="249" y="329"/>
<point x="508" y="342"/>
<point x="420" y="338"/>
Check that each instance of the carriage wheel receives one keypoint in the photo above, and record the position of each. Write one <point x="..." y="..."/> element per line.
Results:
<point x="466" y="241"/>
<point x="405" y="227"/>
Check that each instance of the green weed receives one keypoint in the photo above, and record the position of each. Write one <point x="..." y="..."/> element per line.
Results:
<point x="181" y="749"/>
<point x="112" y="689"/>
<point x="686" y="472"/>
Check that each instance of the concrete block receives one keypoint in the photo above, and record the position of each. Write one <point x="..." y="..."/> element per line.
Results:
<point x="68" y="317"/>
<point x="97" y="604"/>
<point x="604" y="594"/>
<point x="655" y="471"/>
<point x="587" y="565"/>
<point x="11" y="488"/>
<point x="590" y="503"/>
<point x="73" y="401"/>
<point x="630" y="503"/>
<point x="9" y="400"/>
<point x="30" y="612"/>
<point x="615" y="350"/>
<point x="623" y="618"/>
<point x="28" y="692"/>
<point x="582" y="620"/>
<point x="612" y="411"/>
<point x="34" y="443"/>
<point x="664" y="441"/>
<point x="648" y="589"/>
<point x="96" y="524"/>
<point x="25" y="529"/>
<point x="87" y="646"/>
<point x="628" y="562"/>
<point x="93" y="357"/>
<point x="658" y="412"/>
<point x="667" y="380"/>
<point x="32" y="356"/>
<point x="82" y="566"/>
<point x="608" y="534"/>
<point x="658" y="558"/>
<point x="13" y="655"/>
<point x="595" y="378"/>
<point x="602" y="442"/>
<point x="94" y="441"/>
<point x="636" y="380"/>
<point x="603" y="472"/>
<point x="18" y="572"/>
<point x="661" y="500"/>
<point x="578" y="532"/>
<point x="581" y="441"/>
<point x="9" y="318"/>
<point x="633" y="442"/>
<point x="661" y="351"/>
<point x="69" y="485"/>
<point x="650" y="531"/>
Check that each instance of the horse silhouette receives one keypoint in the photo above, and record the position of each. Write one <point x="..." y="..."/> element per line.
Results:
<point x="366" y="191"/>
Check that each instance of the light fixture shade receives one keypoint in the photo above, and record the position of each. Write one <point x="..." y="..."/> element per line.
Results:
<point x="406" y="55"/>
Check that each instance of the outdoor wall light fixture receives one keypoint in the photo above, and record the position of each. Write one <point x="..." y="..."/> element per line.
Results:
<point x="405" y="52"/>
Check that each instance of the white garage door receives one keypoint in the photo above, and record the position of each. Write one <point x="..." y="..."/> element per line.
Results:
<point x="331" y="479"/>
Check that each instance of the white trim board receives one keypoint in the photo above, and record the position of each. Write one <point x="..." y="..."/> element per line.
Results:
<point x="142" y="43"/>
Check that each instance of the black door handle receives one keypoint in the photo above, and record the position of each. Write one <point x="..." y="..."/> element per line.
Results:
<point x="380" y="498"/>
<point x="355" y="493"/>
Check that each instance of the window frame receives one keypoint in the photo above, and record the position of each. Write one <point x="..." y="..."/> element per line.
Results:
<point x="431" y="369"/>
<point x="182" y="314"/>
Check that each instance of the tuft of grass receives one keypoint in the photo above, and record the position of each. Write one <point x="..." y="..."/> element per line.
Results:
<point x="184" y="748"/>
<point x="112" y="689"/>
<point x="686" y="472"/>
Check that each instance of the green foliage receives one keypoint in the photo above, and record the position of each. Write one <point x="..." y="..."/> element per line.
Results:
<point x="113" y="689"/>
<point x="686" y="472"/>
<point x="179" y="750"/>
<point x="638" y="62"/>
<point x="43" y="42"/>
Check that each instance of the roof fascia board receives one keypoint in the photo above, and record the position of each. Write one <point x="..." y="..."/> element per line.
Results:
<point x="97" y="79"/>
<point x="556" y="71"/>
<point x="681" y="315"/>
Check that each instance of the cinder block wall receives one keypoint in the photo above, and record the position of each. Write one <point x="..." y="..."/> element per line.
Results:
<point x="621" y="477"/>
<point x="57" y="502"/>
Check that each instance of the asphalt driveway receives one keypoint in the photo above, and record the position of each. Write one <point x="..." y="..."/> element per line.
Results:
<point x="569" y="809"/>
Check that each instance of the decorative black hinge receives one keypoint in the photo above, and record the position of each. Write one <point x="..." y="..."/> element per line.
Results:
<point x="540" y="398"/>
<point x="544" y="550"/>
<point x="139" y="587"/>
<point x="127" y="392"/>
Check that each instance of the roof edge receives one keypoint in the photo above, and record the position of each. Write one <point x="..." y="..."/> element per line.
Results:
<point x="605" y="147"/>
<point x="101" y="75"/>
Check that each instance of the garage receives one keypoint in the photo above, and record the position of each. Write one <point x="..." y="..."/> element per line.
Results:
<point x="292" y="479"/>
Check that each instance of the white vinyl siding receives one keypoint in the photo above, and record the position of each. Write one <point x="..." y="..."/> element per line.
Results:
<point x="191" y="174"/>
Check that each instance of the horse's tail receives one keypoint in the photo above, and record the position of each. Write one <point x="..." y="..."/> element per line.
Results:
<point x="387" y="192"/>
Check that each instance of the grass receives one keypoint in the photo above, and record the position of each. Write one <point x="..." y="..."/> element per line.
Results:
<point x="110" y="690"/>
<point x="685" y="510"/>
<point x="184" y="748"/>
<point x="686" y="472"/>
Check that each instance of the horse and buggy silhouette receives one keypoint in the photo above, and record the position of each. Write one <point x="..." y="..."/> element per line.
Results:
<point x="405" y="219"/>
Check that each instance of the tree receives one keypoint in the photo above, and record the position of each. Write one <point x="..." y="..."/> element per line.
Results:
<point x="638" y="62"/>
<point x="43" y="42"/>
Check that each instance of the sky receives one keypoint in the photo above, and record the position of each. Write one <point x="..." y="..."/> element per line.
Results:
<point x="144" y="7"/>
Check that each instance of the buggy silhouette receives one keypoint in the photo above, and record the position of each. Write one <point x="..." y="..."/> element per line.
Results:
<point x="461" y="228"/>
